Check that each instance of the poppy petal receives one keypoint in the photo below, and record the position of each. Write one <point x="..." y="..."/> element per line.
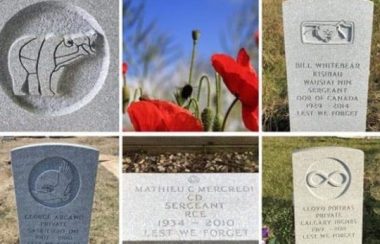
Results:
<point x="177" y="118"/>
<point x="184" y="121"/>
<point x="145" y="116"/>
<point x="240" y="80"/>
<point x="243" y="58"/>
<point x="250" y="117"/>
<point x="157" y="115"/>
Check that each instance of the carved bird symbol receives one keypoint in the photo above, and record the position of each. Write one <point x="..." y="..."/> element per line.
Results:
<point x="54" y="186"/>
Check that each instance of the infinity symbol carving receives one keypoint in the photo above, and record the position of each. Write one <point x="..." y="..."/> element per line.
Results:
<point x="326" y="178"/>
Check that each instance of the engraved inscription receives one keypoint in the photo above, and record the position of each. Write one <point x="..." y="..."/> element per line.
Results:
<point x="327" y="32"/>
<point x="37" y="63"/>
<point x="191" y="208"/>
<point x="54" y="182"/>
<point x="328" y="178"/>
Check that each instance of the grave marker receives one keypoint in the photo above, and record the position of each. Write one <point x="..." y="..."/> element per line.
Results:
<point x="327" y="46"/>
<point x="190" y="208"/>
<point x="54" y="185"/>
<point x="328" y="195"/>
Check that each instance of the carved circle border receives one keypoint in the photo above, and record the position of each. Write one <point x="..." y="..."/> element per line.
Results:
<point x="103" y="73"/>
<point x="47" y="164"/>
<point x="349" y="177"/>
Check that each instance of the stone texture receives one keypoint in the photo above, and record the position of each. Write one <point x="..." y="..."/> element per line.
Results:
<point x="327" y="46"/>
<point x="60" y="65"/>
<point x="54" y="185"/>
<point x="194" y="208"/>
<point x="328" y="195"/>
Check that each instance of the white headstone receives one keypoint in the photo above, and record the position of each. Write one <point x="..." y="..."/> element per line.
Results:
<point x="54" y="186"/>
<point x="190" y="207"/>
<point x="328" y="195"/>
<point x="327" y="46"/>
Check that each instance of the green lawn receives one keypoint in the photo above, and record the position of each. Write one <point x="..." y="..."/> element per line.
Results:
<point x="278" y="189"/>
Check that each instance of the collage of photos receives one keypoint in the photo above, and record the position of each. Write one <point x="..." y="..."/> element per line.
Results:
<point x="189" y="121"/>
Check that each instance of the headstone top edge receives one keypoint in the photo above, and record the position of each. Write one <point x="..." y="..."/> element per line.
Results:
<point x="286" y="2"/>
<point x="332" y="148"/>
<point x="72" y="145"/>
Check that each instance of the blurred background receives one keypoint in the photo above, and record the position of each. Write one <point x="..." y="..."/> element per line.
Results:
<point x="158" y="44"/>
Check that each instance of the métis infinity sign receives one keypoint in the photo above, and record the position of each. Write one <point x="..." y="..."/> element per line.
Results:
<point x="318" y="178"/>
<point x="328" y="178"/>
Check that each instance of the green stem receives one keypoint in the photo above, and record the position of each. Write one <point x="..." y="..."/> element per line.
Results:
<point x="124" y="80"/>
<point x="208" y="89"/>
<point x="228" y="113"/>
<point x="141" y="91"/>
<point x="193" y="100"/>
<point x="217" y="90"/>
<point x="192" y="61"/>
<point x="135" y="93"/>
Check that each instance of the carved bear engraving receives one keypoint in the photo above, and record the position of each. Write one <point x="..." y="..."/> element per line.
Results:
<point x="36" y="63"/>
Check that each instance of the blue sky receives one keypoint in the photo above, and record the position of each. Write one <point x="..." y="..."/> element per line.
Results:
<point x="180" y="17"/>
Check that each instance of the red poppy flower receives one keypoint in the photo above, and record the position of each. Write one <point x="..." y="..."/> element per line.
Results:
<point x="241" y="79"/>
<point x="158" y="115"/>
<point x="251" y="117"/>
<point x="125" y="68"/>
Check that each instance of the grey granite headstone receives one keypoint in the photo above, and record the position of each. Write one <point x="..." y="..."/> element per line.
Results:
<point x="191" y="208"/>
<point x="54" y="186"/>
<point x="328" y="195"/>
<point x="327" y="46"/>
<point x="60" y="65"/>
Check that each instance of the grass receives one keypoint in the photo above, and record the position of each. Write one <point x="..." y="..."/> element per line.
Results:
<point x="105" y="212"/>
<point x="275" y="100"/>
<point x="278" y="189"/>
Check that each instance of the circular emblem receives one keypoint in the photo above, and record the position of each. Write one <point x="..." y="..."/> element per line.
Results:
<point x="328" y="178"/>
<point x="193" y="179"/>
<point x="55" y="58"/>
<point x="54" y="182"/>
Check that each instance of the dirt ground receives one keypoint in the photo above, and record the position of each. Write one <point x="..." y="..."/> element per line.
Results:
<point x="191" y="162"/>
<point x="105" y="214"/>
